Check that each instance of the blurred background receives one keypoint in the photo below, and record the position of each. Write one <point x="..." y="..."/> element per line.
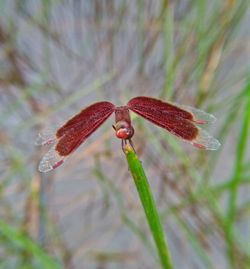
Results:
<point x="56" y="57"/>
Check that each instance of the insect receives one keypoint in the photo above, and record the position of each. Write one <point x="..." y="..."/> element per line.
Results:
<point x="181" y="121"/>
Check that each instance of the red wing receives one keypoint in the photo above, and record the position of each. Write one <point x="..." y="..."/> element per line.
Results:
<point x="176" y="120"/>
<point x="72" y="134"/>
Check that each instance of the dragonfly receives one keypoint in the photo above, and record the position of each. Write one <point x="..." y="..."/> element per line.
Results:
<point x="181" y="121"/>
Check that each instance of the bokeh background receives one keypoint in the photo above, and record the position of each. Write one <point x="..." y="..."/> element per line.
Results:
<point x="57" y="57"/>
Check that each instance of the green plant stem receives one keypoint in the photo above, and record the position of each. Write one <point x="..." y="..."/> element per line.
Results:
<point x="149" y="206"/>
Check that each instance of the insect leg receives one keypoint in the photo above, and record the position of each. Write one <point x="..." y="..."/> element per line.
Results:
<point x="131" y="144"/>
<point x="123" y="146"/>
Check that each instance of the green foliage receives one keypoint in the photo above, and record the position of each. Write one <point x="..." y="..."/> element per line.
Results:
<point x="33" y="255"/>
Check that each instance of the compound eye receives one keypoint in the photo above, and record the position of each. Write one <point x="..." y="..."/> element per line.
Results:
<point x="122" y="133"/>
<point x="123" y="130"/>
